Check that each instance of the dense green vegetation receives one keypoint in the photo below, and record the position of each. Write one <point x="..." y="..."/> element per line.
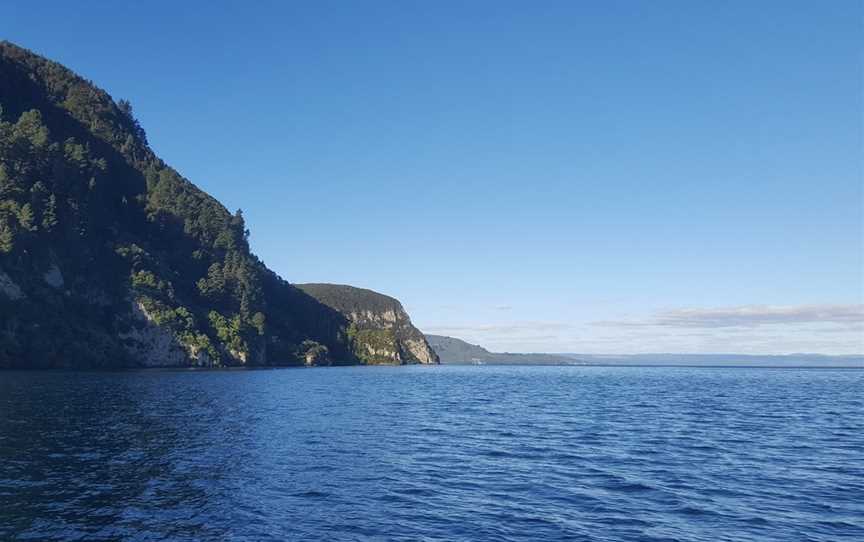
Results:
<point x="350" y="299"/>
<point x="373" y="345"/>
<point x="83" y="198"/>
<point x="380" y="330"/>
<point x="109" y="257"/>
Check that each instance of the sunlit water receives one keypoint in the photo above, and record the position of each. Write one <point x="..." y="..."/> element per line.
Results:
<point x="433" y="453"/>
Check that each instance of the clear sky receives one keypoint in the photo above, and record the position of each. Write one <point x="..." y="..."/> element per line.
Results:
<point x="581" y="176"/>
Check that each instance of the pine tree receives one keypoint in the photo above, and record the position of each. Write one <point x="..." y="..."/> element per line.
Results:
<point x="258" y="321"/>
<point x="6" y="186"/>
<point x="49" y="216"/>
<point x="6" y="238"/>
<point x="25" y="218"/>
<point x="30" y="126"/>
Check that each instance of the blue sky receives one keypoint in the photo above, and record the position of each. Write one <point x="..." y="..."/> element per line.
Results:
<point x="535" y="176"/>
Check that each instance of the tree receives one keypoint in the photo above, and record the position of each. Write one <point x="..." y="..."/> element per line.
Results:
<point x="213" y="285"/>
<point x="239" y="223"/>
<point x="30" y="126"/>
<point x="125" y="107"/>
<point x="6" y="184"/>
<point x="6" y="238"/>
<point x="25" y="218"/>
<point x="49" y="216"/>
<point x="258" y="320"/>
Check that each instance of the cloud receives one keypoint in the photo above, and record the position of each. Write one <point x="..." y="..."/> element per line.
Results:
<point x="753" y="329"/>
<point x="750" y="316"/>
<point x="503" y="307"/>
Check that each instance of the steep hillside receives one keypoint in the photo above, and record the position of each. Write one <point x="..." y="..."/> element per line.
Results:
<point x="109" y="257"/>
<point x="380" y="329"/>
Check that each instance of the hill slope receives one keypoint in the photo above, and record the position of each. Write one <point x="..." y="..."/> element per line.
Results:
<point x="453" y="350"/>
<point x="109" y="257"/>
<point x="380" y="328"/>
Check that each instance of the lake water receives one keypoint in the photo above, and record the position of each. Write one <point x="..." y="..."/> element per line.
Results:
<point x="434" y="453"/>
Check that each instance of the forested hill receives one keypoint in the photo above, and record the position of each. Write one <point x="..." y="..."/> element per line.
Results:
<point x="453" y="350"/>
<point x="109" y="257"/>
<point x="378" y="324"/>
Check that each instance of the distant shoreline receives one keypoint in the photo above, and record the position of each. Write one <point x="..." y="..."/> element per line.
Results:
<point x="658" y="366"/>
<point x="449" y="364"/>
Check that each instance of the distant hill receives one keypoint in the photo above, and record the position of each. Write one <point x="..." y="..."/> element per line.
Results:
<point x="728" y="360"/>
<point x="379" y="328"/>
<point x="453" y="350"/>
<point x="457" y="351"/>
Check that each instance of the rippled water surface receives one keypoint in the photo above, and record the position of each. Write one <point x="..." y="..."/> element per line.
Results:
<point x="434" y="453"/>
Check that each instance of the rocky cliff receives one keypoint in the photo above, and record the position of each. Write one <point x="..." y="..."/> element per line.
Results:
<point x="379" y="328"/>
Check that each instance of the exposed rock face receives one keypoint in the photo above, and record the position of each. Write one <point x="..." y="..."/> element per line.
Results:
<point x="53" y="277"/>
<point x="421" y="350"/>
<point x="151" y="344"/>
<point x="379" y="328"/>
<point x="9" y="288"/>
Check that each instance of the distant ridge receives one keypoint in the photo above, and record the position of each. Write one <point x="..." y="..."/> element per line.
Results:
<point x="453" y="350"/>
<point x="456" y="351"/>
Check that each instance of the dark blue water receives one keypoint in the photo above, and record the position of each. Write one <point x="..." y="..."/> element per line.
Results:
<point x="434" y="453"/>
